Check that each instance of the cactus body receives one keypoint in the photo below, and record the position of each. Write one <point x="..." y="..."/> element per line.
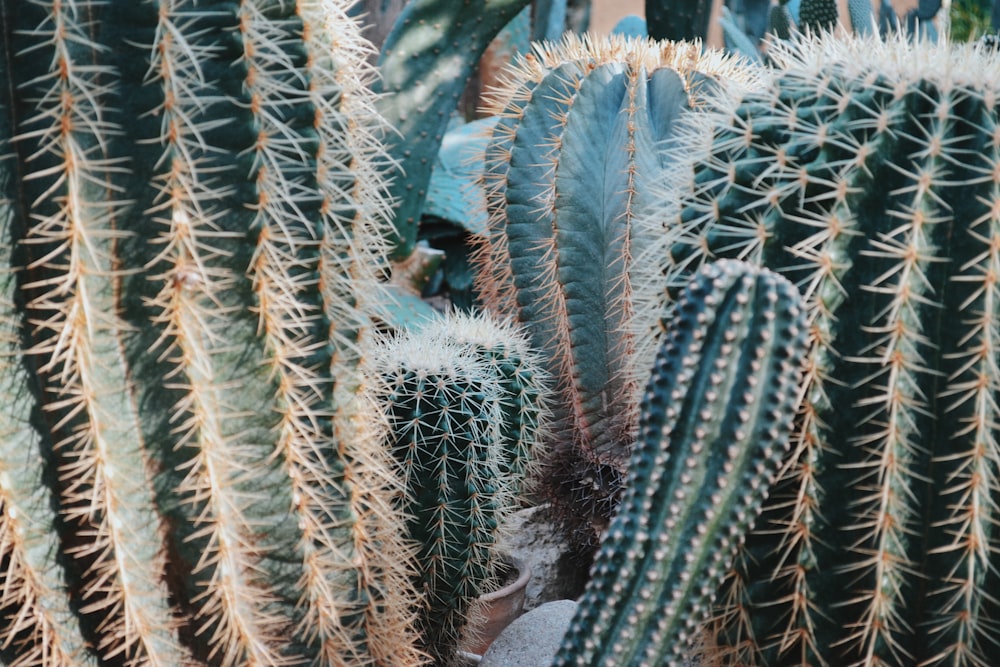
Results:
<point x="464" y="409"/>
<point x="685" y="20"/>
<point x="715" y="424"/>
<point x="818" y="15"/>
<point x="187" y="190"/>
<point x="425" y="64"/>
<point x="580" y="138"/>
<point x="867" y="173"/>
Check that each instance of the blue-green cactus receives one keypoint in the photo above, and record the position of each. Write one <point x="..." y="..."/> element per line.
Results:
<point x="579" y="142"/>
<point x="715" y="425"/>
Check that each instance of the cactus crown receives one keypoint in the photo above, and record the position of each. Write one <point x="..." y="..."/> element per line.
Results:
<point x="867" y="173"/>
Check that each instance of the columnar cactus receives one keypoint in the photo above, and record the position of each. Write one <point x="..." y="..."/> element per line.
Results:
<point x="463" y="400"/>
<point x="580" y="138"/>
<point x="869" y="174"/>
<point x="715" y="425"/>
<point x="187" y="190"/>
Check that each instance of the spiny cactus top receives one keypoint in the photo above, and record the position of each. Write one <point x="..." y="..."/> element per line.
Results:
<point x="187" y="190"/>
<point x="578" y="144"/>
<point x="868" y="173"/>
<point x="582" y="124"/>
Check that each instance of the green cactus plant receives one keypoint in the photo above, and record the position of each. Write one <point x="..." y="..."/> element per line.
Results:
<point x="464" y="405"/>
<point x="678" y="21"/>
<point x="716" y="419"/>
<point x="425" y="64"/>
<point x="189" y="190"/>
<point x="580" y="138"/>
<point x="868" y="173"/>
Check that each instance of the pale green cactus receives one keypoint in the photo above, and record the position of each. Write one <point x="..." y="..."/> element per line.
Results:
<point x="186" y="207"/>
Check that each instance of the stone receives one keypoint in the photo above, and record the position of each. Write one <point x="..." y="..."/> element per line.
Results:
<point x="533" y="535"/>
<point x="533" y="639"/>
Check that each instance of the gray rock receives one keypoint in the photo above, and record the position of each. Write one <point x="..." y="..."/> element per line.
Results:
<point x="533" y="639"/>
<point x="534" y="536"/>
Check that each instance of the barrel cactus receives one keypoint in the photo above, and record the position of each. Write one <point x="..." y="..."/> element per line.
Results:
<point x="463" y="400"/>
<point x="714" y="428"/>
<point x="580" y="139"/>
<point x="868" y="173"/>
<point x="187" y="255"/>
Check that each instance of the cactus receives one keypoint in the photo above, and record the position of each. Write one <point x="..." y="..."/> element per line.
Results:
<point x="579" y="140"/>
<point x="818" y="15"/>
<point x="188" y="254"/>
<point x="678" y="21"/>
<point x="715" y="425"/>
<point x="425" y="64"/>
<point x="868" y="173"/>
<point x="464" y="407"/>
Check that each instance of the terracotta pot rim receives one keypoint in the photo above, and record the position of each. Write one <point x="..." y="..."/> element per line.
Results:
<point x="523" y="574"/>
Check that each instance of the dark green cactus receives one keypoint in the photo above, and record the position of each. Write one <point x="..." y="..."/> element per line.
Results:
<point x="463" y="400"/>
<point x="715" y="425"/>
<point x="187" y="256"/>
<point x="678" y="21"/>
<point x="579" y="141"/>
<point x="425" y="64"/>
<point x="868" y="173"/>
<point x="818" y="15"/>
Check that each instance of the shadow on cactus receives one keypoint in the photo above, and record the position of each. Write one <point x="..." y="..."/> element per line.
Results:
<point x="187" y="263"/>
<point x="463" y="399"/>
<point x="868" y="173"/>
<point x="581" y="134"/>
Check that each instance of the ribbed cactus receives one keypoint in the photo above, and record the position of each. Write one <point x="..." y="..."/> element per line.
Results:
<point x="187" y="190"/>
<point x="868" y="173"/>
<point x="464" y="404"/>
<point x="579" y="141"/>
<point x="715" y="425"/>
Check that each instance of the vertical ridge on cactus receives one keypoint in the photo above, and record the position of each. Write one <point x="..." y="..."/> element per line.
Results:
<point x="865" y="171"/>
<point x="193" y="187"/>
<point x="715" y="423"/>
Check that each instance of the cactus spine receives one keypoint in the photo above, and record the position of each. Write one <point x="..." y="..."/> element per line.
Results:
<point x="715" y="424"/>
<point x="577" y="144"/>
<point x="869" y="174"/>
<point x="187" y="196"/>
<point x="463" y="403"/>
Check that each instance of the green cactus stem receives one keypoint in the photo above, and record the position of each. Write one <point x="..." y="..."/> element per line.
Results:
<point x="580" y="140"/>
<point x="868" y="173"/>
<point x="463" y="403"/>
<point x="715" y="425"/>
<point x="187" y="207"/>
<point x="425" y="64"/>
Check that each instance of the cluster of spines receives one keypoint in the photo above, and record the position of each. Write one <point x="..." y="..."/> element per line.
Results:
<point x="715" y="423"/>
<point x="194" y="230"/>
<point x="866" y="172"/>
<point x="464" y="408"/>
